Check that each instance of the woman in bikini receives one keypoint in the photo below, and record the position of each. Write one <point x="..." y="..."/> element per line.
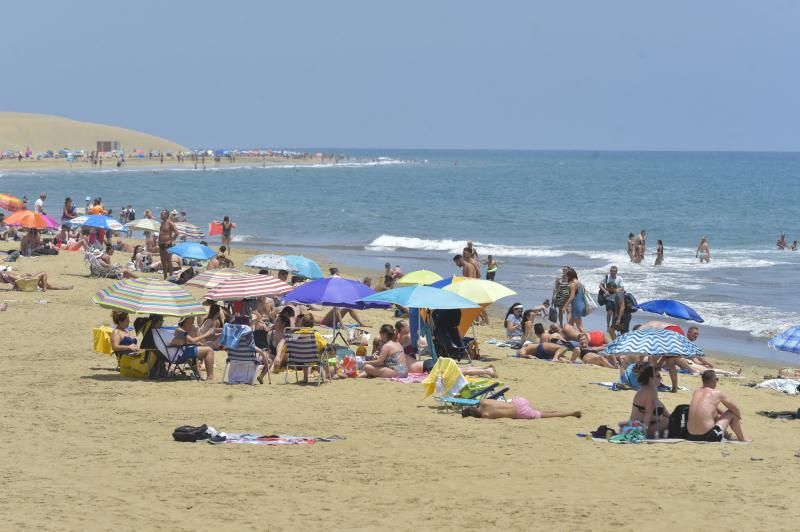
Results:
<point x="647" y="408"/>
<point x="518" y="408"/>
<point x="561" y="294"/>
<point x="189" y="337"/>
<point x="122" y="341"/>
<point x="41" y="278"/>
<point x="391" y="360"/>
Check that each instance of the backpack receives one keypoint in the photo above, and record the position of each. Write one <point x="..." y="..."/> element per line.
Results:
<point x="631" y="305"/>
<point x="679" y="422"/>
<point x="188" y="433"/>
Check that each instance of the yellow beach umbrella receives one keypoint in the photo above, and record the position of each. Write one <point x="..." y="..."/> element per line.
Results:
<point x="419" y="277"/>
<point x="479" y="291"/>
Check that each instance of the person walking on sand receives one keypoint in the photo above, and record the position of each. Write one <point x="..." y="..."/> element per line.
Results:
<point x="166" y="239"/>
<point x="703" y="252"/>
<point x="707" y="422"/>
<point x="659" y="254"/>
<point x="612" y="277"/>
<point x="227" y="230"/>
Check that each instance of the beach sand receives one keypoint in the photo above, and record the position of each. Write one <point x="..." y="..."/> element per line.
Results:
<point x="87" y="449"/>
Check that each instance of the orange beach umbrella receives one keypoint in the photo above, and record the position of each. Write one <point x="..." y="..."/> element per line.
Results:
<point x="27" y="219"/>
<point x="11" y="203"/>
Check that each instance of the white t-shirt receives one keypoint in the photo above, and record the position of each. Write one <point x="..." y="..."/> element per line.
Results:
<point x="38" y="207"/>
<point x="616" y="280"/>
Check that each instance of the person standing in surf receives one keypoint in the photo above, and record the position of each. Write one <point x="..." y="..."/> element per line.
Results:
<point x="703" y="252"/>
<point x="227" y="231"/>
<point x="659" y="254"/>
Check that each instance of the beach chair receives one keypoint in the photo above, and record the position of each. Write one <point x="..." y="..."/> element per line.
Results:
<point x="177" y="361"/>
<point x="100" y="270"/>
<point x="474" y="399"/>
<point x="446" y="338"/>
<point x="242" y="362"/>
<point x="301" y="347"/>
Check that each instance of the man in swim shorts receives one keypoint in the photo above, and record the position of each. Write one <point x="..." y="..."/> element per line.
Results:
<point x="707" y="421"/>
<point x="166" y="239"/>
<point x="518" y="408"/>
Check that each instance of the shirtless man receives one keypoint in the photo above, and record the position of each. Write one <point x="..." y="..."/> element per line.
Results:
<point x="638" y="247"/>
<point x="166" y="239"/>
<point x="469" y="257"/>
<point x="703" y="252"/>
<point x="467" y="269"/>
<point x="707" y="421"/>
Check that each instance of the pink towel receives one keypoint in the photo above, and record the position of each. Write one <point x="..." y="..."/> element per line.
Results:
<point x="413" y="378"/>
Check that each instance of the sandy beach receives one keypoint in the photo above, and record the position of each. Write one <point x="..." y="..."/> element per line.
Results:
<point x="87" y="449"/>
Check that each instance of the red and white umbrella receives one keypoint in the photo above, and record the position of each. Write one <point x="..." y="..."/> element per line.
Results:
<point x="248" y="286"/>
<point x="211" y="278"/>
<point x="188" y="230"/>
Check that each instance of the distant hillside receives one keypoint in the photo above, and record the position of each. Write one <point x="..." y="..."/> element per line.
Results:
<point x="45" y="132"/>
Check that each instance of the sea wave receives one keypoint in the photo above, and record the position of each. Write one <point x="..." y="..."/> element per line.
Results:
<point x="392" y="242"/>
<point x="242" y="238"/>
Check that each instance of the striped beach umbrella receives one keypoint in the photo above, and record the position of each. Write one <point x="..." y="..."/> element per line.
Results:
<point x="656" y="342"/>
<point x="149" y="296"/>
<point x="248" y="286"/>
<point x="189" y="230"/>
<point x="28" y="220"/>
<point x="144" y="224"/>
<point x="788" y="340"/>
<point x="11" y="203"/>
<point x="211" y="278"/>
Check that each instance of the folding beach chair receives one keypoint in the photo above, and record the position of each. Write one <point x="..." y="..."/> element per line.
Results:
<point x="474" y="399"/>
<point x="242" y="362"/>
<point x="446" y="338"/>
<point x="98" y="269"/>
<point x="301" y="346"/>
<point x="175" y="357"/>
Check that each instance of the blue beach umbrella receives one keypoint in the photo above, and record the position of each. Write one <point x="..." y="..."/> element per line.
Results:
<point x="788" y="340"/>
<point x="192" y="250"/>
<point x="655" y="342"/>
<point x="99" y="221"/>
<point x="334" y="292"/>
<point x="305" y="267"/>
<point x="671" y="308"/>
<point x="419" y="296"/>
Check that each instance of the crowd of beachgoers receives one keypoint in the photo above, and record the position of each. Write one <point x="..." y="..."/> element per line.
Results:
<point x="552" y="331"/>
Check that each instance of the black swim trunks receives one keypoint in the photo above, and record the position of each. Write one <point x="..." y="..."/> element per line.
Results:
<point x="162" y="246"/>
<point x="713" y="435"/>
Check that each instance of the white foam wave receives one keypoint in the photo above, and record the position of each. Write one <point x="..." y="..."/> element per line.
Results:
<point x="757" y="320"/>
<point x="391" y="242"/>
<point x="242" y="238"/>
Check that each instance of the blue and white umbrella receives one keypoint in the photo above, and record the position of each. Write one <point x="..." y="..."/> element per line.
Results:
<point x="788" y="340"/>
<point x="655" y="342"/>
<point x="99" y="221"/>
<point x="270" y="262"/>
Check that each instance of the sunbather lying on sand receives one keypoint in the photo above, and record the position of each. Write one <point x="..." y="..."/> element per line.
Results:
<point x="41" y="277"/>
<point x="548" y="351"/>
<point x="518" y="408"/>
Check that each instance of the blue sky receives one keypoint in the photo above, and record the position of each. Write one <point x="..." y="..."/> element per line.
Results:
<point x="683" y="75"/>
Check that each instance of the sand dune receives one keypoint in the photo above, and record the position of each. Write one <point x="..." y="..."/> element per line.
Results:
<point x="19" y="131"/>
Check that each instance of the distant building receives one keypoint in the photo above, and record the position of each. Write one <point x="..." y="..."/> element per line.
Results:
<point x="107" y="146"/>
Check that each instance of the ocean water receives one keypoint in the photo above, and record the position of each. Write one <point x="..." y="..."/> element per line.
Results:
<point x="534" y="211"/>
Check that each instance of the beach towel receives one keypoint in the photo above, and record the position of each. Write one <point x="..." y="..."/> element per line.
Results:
<point x="616" y="386"/>
<point x="784" y="414"/>
<point x="444" y="379"/>
<point x="274" y="439"/>
<point x="788" y="386"/>
<point x="413" y="378"/>
<point x="665" y="440"/>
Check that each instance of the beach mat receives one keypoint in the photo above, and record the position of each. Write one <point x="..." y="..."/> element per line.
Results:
<point x="615" y="386"/>
<point x="413" y="378"/>
<point x="273" y="439"/>
<point x="664" y="441"/>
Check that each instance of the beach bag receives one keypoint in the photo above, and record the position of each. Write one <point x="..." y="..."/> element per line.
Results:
<point x="552" y="315"/>
<point x="631" y="305"/>
<point x="601" y="294"/>
<point x="188" y="433"/>
<point x="678" y="422"/>
<point x="135" y="366"/>
<point x="589" y="304"/>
